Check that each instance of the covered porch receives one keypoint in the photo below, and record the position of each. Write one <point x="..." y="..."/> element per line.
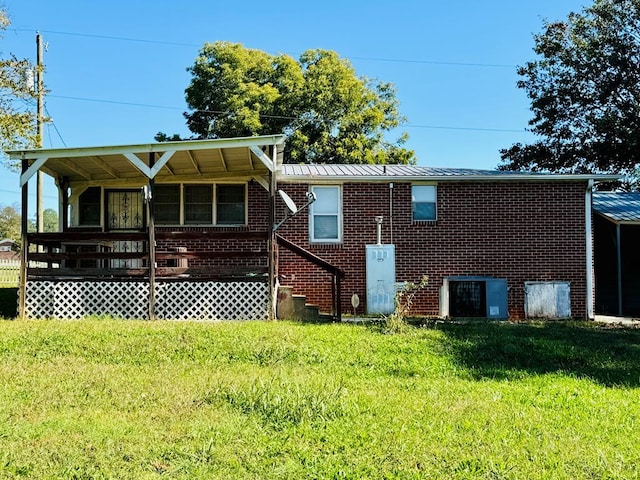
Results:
<point x="176" y="230"/>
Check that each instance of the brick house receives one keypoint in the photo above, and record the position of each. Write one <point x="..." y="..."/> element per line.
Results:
<point x="465" y="228"/>
<point x="185" y="230"/>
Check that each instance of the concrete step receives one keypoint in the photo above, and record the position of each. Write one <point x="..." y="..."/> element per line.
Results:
<point x="299" y="303"/>
<point x="325" y="317"/>
<point x="311" y="313"/>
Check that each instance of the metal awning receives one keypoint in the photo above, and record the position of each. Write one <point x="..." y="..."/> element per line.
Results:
<point x="251" y="157"/>
<point x="618" y="207"/>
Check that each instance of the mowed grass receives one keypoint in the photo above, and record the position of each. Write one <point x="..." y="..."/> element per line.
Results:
<point x="122" y="399"/>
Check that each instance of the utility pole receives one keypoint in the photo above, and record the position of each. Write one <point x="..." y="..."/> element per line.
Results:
<point x="40" y="142"/>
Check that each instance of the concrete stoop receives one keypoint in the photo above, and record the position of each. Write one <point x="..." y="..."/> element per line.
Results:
<point x="292" y="306"/>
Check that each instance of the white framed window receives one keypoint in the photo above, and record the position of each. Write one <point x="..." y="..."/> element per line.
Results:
<point x="423" y="202"/>
<point x="231" y="201"/>
<point x="221" y="204"/>
<point x="166" y="203"/>
<point x="325" y="214"/>
<point x="198" y="204"/>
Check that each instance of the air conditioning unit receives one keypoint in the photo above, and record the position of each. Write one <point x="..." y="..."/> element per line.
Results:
<point x="469" y="296"/>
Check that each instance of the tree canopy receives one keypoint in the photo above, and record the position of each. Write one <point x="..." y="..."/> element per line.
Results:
<point x="584" y="89"/>
<point x="11" y="223"/>
<point x="328" y="113"/>
<point x="17" y="117"/>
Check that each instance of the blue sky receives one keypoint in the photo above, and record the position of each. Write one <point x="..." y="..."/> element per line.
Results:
<point x="116" y="70"/>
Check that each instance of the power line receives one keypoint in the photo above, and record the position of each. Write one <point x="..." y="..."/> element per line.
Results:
<point x="109" y="37"/>
<point x="51" y="122"/>
<point x="165" y="107"/>
<point x="133" y="104"/>
<point x="181" y="44"/>
<point x="219" y="112"/>
<point x="435" y="62"/>
<point x="479" y="129"/>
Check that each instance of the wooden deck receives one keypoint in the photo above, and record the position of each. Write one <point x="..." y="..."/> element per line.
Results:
<point x="126" y="255"/>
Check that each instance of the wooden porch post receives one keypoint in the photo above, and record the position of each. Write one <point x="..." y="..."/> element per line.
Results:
<point x="24" y="252"/>
<point x="339" y="297"/>
<point x="273" y="270"/>
<point x="152" y="244"/>
<point x="63" y="189"/>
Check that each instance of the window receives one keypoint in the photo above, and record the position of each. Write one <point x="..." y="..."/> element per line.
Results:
<point x="423" y="202"/>
<point x="89" y="206"/>
<point x="166" y="204"/>
<point x="230" y="205"/>
<point x="325" y="222"/>
<point x="198" y="204"/>
<point x="177" y="204"/>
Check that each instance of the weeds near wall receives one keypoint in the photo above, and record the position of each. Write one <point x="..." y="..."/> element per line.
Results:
<point x="396" y="322"/>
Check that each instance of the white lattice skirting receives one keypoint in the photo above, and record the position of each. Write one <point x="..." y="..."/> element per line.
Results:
<point x="130" y="300"/>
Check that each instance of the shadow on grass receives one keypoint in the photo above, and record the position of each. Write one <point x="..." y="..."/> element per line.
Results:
<point x="609" y="356"/>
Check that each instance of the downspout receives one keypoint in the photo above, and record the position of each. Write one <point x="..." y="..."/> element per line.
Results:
<point x="589" y="247"/>
<point x="391" y="213"/>
<point x="619" y="267"/>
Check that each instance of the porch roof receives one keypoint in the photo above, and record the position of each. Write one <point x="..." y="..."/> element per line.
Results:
<point x="172" y="161"/>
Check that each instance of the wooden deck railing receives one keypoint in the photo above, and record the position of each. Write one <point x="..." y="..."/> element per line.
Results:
<point x="337" y="274"/>
<point x="65" y="254"/>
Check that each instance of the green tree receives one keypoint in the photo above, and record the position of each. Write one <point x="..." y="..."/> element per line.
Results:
<point x="17" y="118"/>
<point x="11" y="224"/>
<point x="50" y="220"/>
<point x="584" y="89"/>
<point x="327" y="112"/>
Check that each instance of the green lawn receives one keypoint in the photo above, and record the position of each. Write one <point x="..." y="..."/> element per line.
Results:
<point x="120" y="399"/>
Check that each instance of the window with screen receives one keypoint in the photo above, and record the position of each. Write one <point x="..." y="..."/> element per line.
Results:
<point x="89" y="206"/>
<point x="166" y="204"/>
<point x="230" y="205"/>
<point x="198" y="204"/>
<point x="423" y="202"/>
<point x="325" y="215"/>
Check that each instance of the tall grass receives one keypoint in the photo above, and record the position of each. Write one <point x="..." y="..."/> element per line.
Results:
<point x="115" y="399"/>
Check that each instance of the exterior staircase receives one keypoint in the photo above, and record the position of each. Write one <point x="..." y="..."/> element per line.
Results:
<point x="295" y="307"/>
<point x="310" y="312"/>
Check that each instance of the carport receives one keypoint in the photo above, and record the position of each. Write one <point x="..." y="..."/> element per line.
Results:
<point x="616" y="253"/>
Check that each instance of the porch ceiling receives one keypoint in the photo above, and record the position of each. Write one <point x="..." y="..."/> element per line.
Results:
<point x="191" y="160"/>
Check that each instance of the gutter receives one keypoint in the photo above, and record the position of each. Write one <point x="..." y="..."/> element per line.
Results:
<point x="588" y="199"/>
<point x="317" y="178"/>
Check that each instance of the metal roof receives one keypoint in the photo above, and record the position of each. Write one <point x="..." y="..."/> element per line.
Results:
<point x="368" y="172"/>
<point x="619" y="207"/>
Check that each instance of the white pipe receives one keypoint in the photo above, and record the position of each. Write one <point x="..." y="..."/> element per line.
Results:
<point x="391" y="213"/>
<point x="379" y="228"/>
<point x="589" y="246"/>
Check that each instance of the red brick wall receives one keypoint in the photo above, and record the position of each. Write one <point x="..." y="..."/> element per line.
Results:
<point x="521" y="231"/>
